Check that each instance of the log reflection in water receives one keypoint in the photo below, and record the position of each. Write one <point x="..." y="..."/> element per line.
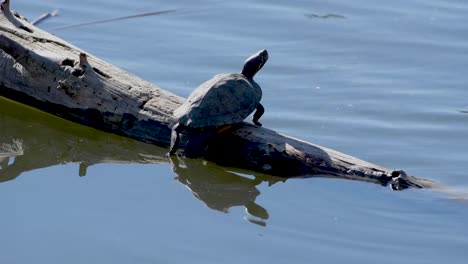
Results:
<point x="30" y="140"/>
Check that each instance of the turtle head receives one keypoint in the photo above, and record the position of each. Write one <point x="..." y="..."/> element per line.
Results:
<point x="254" y="63"/>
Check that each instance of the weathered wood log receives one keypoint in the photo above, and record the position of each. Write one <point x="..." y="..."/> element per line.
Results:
<point x="43" y="71"/>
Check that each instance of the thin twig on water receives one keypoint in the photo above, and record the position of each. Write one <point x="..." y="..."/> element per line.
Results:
<point x="115" y="19"/>
<point x="44" y="16"/>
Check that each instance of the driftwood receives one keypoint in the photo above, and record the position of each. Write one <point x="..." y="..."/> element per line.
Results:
<point x="43" y="71"/>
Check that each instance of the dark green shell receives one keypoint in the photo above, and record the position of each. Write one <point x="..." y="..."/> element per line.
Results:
<point x="222" y="100"/>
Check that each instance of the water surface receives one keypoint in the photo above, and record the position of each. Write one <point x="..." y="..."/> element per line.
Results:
<point x="382" y="81"/>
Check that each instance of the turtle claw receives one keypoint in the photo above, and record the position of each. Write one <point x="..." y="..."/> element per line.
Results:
<point x="257" y="123"/>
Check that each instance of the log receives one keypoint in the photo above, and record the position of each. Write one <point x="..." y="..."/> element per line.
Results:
<point x="48" y="73"/>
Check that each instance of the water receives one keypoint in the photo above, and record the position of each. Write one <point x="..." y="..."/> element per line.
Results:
<point x="383" y="81"/>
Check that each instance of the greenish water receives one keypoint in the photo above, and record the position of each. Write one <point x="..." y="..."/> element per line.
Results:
<point x="382" y="81"/>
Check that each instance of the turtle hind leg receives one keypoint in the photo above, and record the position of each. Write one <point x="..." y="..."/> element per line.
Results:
<point x="258" y="114"/>
<point x="198" y="142"/>
<point x="175" y="138"/>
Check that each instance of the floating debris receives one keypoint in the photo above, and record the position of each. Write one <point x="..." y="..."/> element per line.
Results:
<point x="115" y="19"/>
<point x="325" y="16"/>
<point x="45" y="16"/>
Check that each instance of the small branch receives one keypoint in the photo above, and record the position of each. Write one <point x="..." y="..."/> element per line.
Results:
<point x="45" y="16"/>
<point x="114" y="19"/>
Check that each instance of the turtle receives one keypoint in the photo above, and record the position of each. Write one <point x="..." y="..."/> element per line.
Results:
<point x="223" y="100"/>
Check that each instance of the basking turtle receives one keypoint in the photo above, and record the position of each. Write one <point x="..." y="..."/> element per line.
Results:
<point x="223" y="100"/>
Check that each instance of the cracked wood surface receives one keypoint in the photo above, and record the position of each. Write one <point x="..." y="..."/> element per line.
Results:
<point x="46" y="72"/>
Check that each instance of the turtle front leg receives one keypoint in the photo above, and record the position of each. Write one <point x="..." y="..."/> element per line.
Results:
<point x="258" y="114"/>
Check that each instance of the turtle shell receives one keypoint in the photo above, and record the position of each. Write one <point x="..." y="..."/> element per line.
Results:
<point x="222" y="100"/>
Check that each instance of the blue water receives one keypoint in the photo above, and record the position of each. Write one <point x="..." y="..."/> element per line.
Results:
<point x="382" y="81"/>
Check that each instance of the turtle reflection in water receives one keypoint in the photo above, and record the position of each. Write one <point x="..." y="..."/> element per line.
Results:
<point x="224" y="100"/>
<point x="220" y="189"/>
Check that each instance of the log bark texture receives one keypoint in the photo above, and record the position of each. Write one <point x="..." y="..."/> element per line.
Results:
<point x="46" y="72"/>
